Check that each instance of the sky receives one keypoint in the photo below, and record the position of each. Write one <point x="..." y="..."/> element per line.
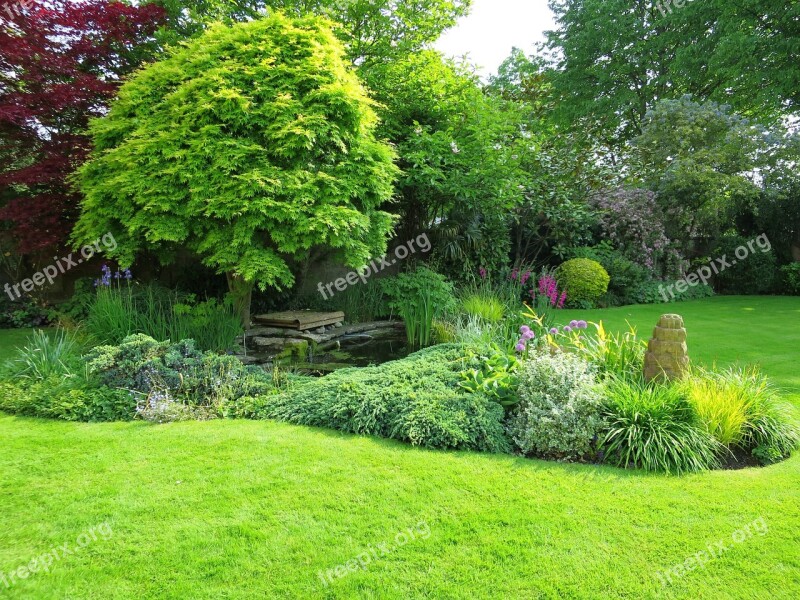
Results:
<point x="493" y="28"/>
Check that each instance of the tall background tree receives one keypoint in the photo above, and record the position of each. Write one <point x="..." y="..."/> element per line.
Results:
<point x="614" y="59"/>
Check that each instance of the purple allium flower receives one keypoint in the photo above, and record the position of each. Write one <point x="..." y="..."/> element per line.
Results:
<point x="582" y="325"/>
<point x="573" y="324"/>
<point x="567" y="329"/>
<point x="521" y="347"/>
<point x="554" y="331"/>
<point x="528" y="335"/>
<point x="524" y="329"/>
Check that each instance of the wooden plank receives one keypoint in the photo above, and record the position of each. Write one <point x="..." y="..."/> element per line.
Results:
<point x="300" y="319"/>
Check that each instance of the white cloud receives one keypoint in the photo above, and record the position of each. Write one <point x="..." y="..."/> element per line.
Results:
<point x="493" y="28"/>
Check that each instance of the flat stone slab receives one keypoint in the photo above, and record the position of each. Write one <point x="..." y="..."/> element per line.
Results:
<point x="301" y="320"/>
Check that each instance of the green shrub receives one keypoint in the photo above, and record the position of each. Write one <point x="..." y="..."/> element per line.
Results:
<point x="585" y="280"/>
<point x="419" y="297"/>
<point x="791" y="278"/>
<point x="756" y="274"/>
<point x="417" y="400"/>
<point x="558" y="415"/>
<point x="653" y="427"/>
<point x="68" y="399"/>
<point x="741" y="410"/>
<point x="22" y="314"/>
<point x="161" y="372"/>
<point x="626" y="277"/>
<point x="656" y="292"/>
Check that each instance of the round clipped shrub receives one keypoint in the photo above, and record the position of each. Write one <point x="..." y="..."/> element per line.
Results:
<point x="584" y="279"/>
<point x="558" y="415"/>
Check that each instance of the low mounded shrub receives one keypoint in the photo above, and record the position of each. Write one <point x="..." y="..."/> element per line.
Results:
<point x="162" y="374"/>
<point x="22" y="313"/>
<point x="658" y="292"/>
<point x="70" y="399"/>
<point x="558" y="415"/>
<point x="653" y="427"/>
<point x="585" y="281"/>
<point x="417" y="400"/>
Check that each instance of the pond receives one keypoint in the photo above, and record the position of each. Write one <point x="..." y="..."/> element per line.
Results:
<point x="352" y="351"/>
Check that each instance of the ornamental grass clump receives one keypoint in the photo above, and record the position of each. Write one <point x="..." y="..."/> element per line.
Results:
<point x="742" y="411"/>
<point x="653" y="427"/>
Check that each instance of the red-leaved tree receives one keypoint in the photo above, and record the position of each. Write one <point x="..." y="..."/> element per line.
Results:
<point x="60" y="64"/>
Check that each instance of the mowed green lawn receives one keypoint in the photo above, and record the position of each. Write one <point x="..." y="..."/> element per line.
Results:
<point x="257" y="509"/>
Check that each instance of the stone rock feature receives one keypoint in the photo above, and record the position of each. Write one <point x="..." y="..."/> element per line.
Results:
<point x="265" y="343"/>
<point x="667" y="355"/>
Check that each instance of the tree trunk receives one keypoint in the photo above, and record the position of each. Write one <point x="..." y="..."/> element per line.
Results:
<point x="242" y="292"/>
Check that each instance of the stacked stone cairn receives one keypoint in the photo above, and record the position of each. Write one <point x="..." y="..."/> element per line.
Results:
<point x="667" y="355"/>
